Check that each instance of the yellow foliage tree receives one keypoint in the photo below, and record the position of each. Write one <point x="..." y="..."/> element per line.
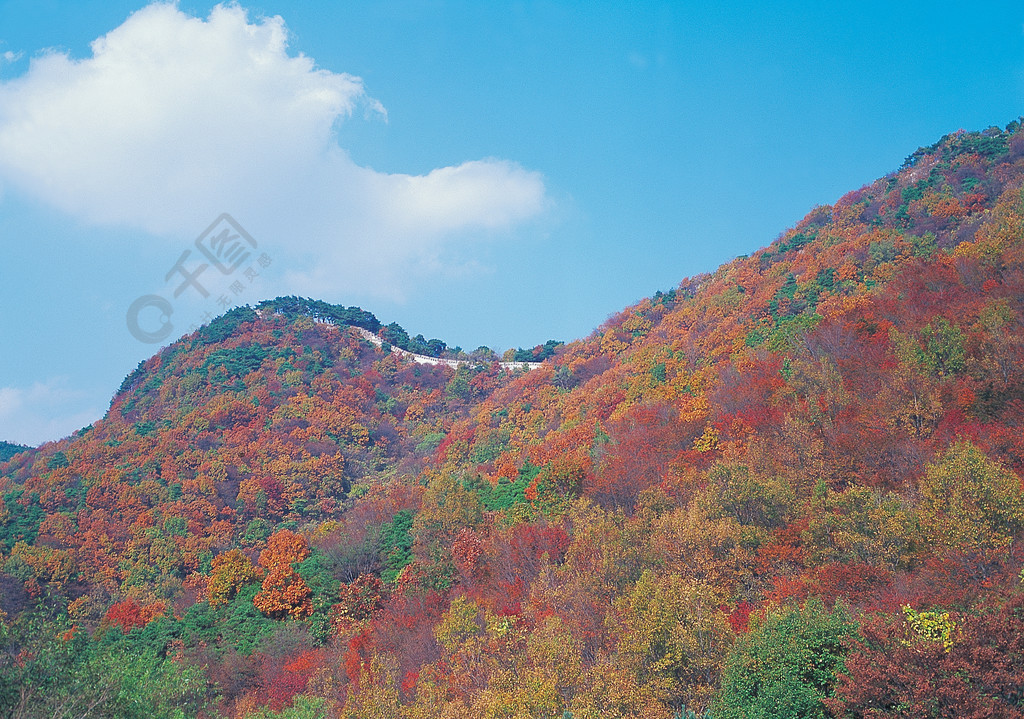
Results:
<point x="674" y="637"/>
<point x="230" y="572"/>
<point x="969" y="502"/>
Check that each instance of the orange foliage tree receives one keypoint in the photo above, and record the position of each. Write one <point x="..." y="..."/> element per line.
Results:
<point x="284" y="592"/>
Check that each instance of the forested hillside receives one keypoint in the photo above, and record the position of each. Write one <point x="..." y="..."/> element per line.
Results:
<point x="791" y="487"/>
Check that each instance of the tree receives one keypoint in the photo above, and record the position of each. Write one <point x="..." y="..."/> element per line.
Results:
<point x="734" y="491"/>
<point x="970" y="502"/>
<point x="51" y="668"/>
<point x="303" y="707"/>
<point x="859" y="525"/>
<point x="357" y="601"/>
<point x="232" y="570"/>
<point x="129" y="614"/>
<point x="396" y="544"/>
<point x="786" y="665"/>
<point x="911" y="401"/>
<point x="903" y="668"/>
<point x="943" y="347"/>
<point x="674" y="637"/>
<point x="374" y="694"/>
<point x="447" y="508"/>
<point x="396" y="335"/>
<point x="284" y="592"/>
<point x="9" y="449"/>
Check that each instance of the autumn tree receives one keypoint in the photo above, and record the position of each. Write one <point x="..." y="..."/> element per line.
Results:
<point x="128" y="614"/>
<point x="357" y="601"/>
<point x="860" y="525"/>
<point x="912" y="401"/>
<point x="735" y="491"/>
<point x="284" y="592"/>
<point x="970" y="502"/>
<point x="231" y="571"/>
<point x="900" y="668"/>
<point x="674" y="637"/>
<point x="447" y="508"/>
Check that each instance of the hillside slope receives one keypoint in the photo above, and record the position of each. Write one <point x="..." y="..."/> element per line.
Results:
<point x="794" y="482"/>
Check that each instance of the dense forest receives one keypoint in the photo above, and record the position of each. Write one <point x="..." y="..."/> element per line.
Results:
<point x="787" y="488"/>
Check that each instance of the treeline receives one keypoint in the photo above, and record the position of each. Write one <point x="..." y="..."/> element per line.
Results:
<point x="394" y="334"/>
<point x="9" y="449"/>
<point x="292" y="307"/>
<point x="538" y="353"/>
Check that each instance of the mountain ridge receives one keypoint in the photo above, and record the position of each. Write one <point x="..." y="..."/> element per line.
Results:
<point x="814" y="447"/>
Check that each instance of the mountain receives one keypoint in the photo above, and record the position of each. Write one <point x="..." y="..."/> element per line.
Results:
<point x="9" y="449"/>
<point x="793" y="482"/>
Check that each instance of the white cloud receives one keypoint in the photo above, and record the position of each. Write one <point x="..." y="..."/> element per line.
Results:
<point x="175" y="119"/>
<point x="43" y="412"/>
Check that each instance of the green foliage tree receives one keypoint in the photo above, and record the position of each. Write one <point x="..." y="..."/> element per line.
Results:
<point x="396" y="544"/>
<point x="396" y="335"/>
<point x="943" y="347"/>
<point x="786" y="665"/>
<point x="50" y="668"/>
<point x="506" y="493"/>
<point x="735" y="491"/>
<point x="224" y="326"/>
<point x="860" y="525"/>
<point x="23" y="520"/>
<point x="303" y="707"/>
<point x="237" y="625"/>
<point x="459" y="385"/>
<point x="538" y="353"/>
<point x="9" y="449"/>
<point x="239" y="361"/>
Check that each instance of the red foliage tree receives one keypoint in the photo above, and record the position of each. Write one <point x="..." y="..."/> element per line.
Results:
<point x="129" y="614"/>
<point x="894" y="672"/>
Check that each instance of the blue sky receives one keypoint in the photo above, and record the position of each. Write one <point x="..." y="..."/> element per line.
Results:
<point x="492" y="173"/>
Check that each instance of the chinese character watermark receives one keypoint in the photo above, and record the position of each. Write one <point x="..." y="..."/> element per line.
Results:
<point x="227" y="247"/>
<point x="225" y="241"/>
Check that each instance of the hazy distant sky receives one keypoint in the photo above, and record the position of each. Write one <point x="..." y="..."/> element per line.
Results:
<point x="495" y="173"/>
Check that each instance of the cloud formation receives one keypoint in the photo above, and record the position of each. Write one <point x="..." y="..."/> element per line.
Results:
<point x="175" y="119"/>
<point x="43" y="411"/>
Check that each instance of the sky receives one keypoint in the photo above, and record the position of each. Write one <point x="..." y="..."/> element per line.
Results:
<point x="497" y="173"/>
